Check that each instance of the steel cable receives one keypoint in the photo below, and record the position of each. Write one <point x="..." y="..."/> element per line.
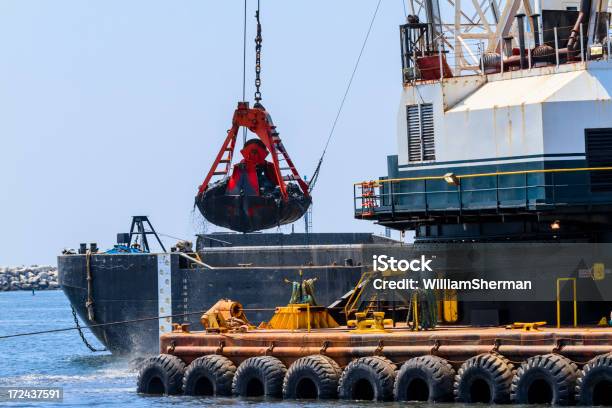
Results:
<point x="315" y="175"/>
<point x="244" y="36"/>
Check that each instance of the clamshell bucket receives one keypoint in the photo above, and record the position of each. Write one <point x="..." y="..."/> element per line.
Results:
<point x="253" y="194"/>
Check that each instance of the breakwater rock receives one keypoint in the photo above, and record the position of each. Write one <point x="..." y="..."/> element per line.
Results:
<point x="37" y="277"/>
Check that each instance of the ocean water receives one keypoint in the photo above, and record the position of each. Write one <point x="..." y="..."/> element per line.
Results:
<point x="92" y="379"/>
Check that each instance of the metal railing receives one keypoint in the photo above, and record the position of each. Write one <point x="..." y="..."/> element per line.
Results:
<point x="574" y="300"/>
<point x="522" y="189"/>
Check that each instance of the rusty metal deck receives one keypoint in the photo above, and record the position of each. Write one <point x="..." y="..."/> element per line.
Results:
<point x="398" y="344"/>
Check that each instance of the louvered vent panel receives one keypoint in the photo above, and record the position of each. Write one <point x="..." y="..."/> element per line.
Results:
<point x="414" y="133"/>
<point x="428" y="132"/>
<point x="420" y="132"/>
<point x="599" y="154"/>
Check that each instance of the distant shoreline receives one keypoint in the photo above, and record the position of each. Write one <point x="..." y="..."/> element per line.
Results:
<point x="27" y="278"/>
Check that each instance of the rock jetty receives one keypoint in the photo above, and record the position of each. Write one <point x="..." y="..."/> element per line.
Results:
<point x="37" y="277"/>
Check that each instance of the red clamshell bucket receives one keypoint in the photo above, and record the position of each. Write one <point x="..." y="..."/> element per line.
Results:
<point x="254" y="195"/>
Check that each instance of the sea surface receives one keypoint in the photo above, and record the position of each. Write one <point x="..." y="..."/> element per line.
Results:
<point x="92" y="379"/>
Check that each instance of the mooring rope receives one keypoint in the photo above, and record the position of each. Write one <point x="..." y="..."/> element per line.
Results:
<point x="144" y="319"/>
<point x="90" y="302"/>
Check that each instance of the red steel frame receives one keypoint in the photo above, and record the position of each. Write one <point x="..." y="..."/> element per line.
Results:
<point x="258" y="121"/>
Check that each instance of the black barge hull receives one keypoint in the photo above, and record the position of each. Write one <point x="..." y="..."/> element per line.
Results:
<point x="128" y="287"/>
<point x="125" y="287"/>
<point x="132" y="290"/>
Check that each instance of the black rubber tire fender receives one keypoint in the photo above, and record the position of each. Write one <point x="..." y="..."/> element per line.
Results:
<point x="322" y="371"/>
<point x="492" y="368"/>
<point x="379" y="372"/>
<point x="594" y="380"/>
<point x="162" y="374"/>
<point x="268" y="371"/>
<point x="218" y="372"/>
<point x="556" y="371"/>
<point x="437" y="374"/>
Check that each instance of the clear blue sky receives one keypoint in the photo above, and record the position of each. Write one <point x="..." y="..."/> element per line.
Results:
<point x="116" y="108"/>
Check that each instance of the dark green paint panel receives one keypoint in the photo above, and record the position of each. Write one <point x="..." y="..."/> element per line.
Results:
<point x="528" y="191"/>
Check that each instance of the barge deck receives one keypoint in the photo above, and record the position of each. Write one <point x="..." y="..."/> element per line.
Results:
<point x="399" y="344"/>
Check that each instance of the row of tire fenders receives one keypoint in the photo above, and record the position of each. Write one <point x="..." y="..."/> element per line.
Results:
<point x="486" y="378"/>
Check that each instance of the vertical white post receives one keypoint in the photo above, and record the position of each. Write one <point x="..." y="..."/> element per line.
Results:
<point x="581" y="45"/>
<point x="529" y="54"/>
<point x="440" y="59"/>
<point x="556" y="46"/>
<point x="164" y="292"/>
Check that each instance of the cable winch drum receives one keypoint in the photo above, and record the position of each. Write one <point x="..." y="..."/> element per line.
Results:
<point x="253" y="194"/>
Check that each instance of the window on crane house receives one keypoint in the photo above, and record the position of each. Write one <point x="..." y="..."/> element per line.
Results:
<point x="420" y="132"/>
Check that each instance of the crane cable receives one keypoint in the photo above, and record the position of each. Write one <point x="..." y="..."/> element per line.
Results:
<point x="315" y="175"/>
<point x="244" y="36"/>
<point x="258" y="41"/>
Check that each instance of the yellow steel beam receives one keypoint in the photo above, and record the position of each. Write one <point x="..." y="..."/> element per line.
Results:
<point x="575" y="302"/>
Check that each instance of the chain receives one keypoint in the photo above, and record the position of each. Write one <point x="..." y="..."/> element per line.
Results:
<point x="258" y="41"/>
<point x="78" y="326"/>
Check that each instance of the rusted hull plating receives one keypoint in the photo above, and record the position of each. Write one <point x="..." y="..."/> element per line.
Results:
<point x="399" y="345"/>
